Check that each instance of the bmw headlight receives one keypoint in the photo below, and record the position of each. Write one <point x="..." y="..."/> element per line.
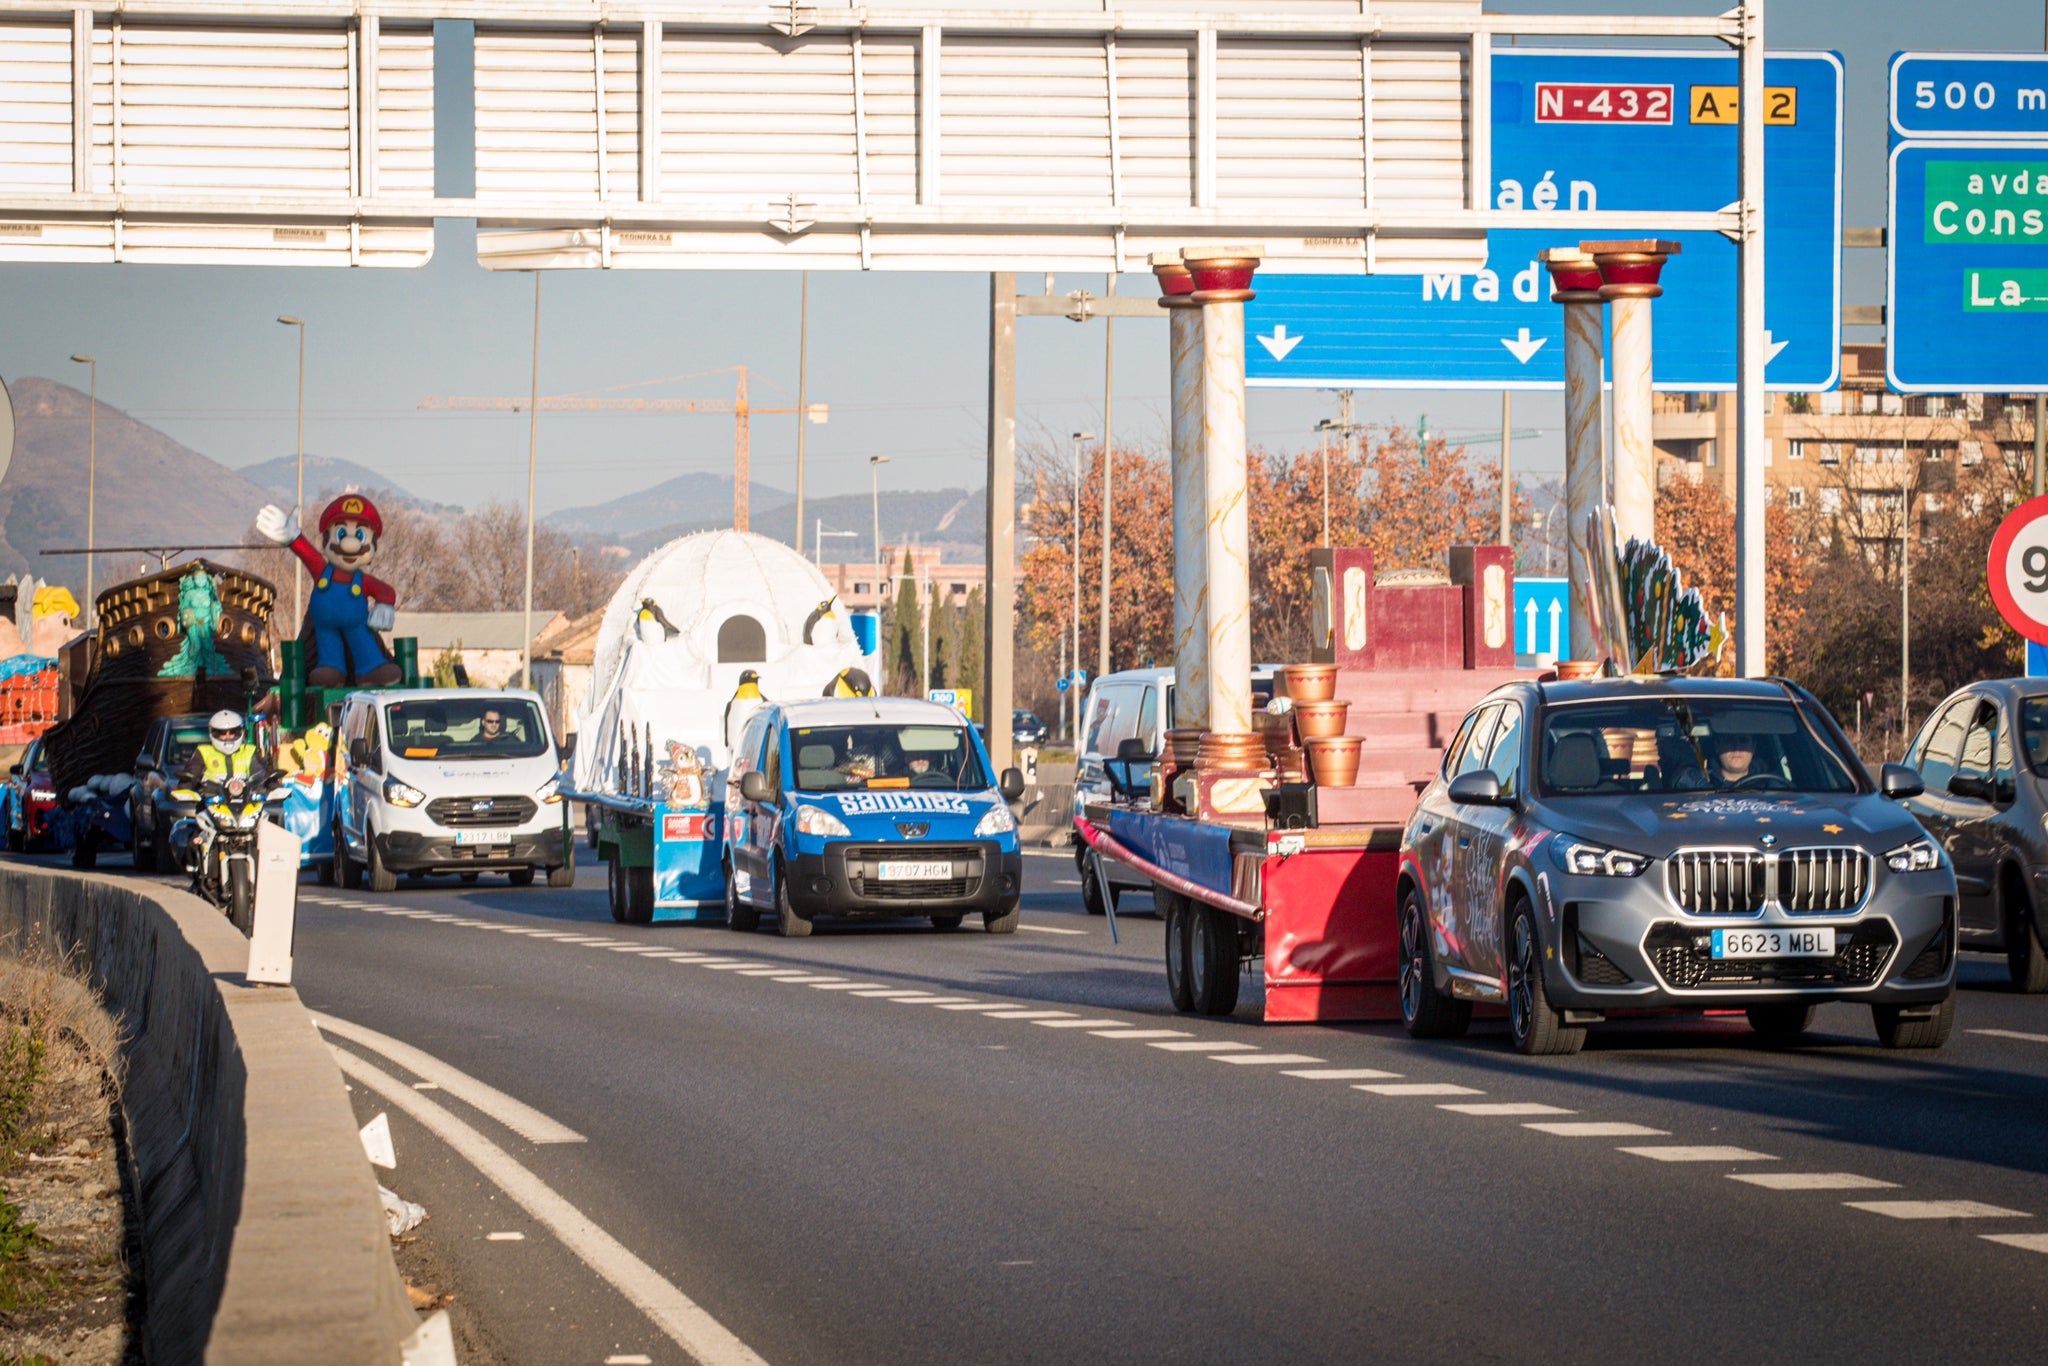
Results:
<point x="998" y="821"/>
<point x="549" y="793"/>
<point x="1917" y="857"/>
<point x="402" y="794"/>
<point x="1595" y="860"/>
<point x="816" y="820"/>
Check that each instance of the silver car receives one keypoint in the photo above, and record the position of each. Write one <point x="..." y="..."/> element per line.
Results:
<point x="1680" y="844"/>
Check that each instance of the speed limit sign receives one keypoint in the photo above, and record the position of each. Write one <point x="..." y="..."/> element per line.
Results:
<point x="2018" y="569"/>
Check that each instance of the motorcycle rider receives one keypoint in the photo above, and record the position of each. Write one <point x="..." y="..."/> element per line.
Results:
<point x="225" y="756"/>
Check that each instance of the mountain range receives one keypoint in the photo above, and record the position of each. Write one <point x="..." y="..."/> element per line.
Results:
<point x="952" y="520"/>
<point x="326" y="473"/>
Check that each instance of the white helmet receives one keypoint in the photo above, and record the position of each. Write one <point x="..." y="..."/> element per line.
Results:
<point x="224" y="728"/>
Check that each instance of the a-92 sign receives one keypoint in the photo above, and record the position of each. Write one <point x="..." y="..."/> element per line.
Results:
<point x="2018" y="569"/>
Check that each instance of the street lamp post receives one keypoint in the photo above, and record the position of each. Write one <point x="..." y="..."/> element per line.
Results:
<point x="1074" y="691"/>
<point x="818" y="541"/>
<point x="92" y="477"/>
<point x="532" y="461"/>
<point x="299" y="484"/>
<point x="875" y="463"/>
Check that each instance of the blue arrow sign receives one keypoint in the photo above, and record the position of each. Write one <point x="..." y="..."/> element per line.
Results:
<point x="1967" y="289"/>
<point x="1969" y="95"/>
<point x="1609" y="131"/>
<point x="1542" y="617"/>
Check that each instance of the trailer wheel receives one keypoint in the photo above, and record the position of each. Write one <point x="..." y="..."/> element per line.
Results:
<point x="788" y="923"/>
<point x="615" y="886"/>
<point x="738" y="914"/>
<point x="1093" y="877"/>
<point x="1426" y="1014"/>
<point x="1213" y="968"/>
<point x="1179" y="985"/>
<point x="639" y="896"/>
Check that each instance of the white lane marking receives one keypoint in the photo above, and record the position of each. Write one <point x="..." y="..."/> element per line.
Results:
<point x="579" y="939"/>
<point x="1268" y="1059"/>
<point x="1681" y="1152"/>
<point x="1598" y="1129"/>
<point x="760" y="971"/>
<point x="2026" y="1242"/>
<point x="675" y="1313"/>
<point x="1812" y="1181"/>
<point x="978" y="1005"/>
<point x="629" y="1359"/>
<point x="2009" y="1034"/>
<point x="892" y="994"/>
<point x="504" y="1237"/>
<point x="1340" y="1074"/>
<point x="1048" y="929"/>
<point x="1066" y="882"/>
<point x="1028" y="1014"/>
<point x="426" y="1086"/>
<point x="806" y="979"/>
<point x="933" y="1001"/>
<point x="1077" y="1024"/>
<point x="1418" y="1088"/>
<point x="729" y="964"/>
<point x="521" y="1118"/>
<point x="633" y="948"/>
<point x="839" y="986"/>
<point x="678" y="955"/>
<point x="1936" y="1209"/>
<point x="1507" y="1107"/>
<point x="1141" y="1034"/>
<point x="1203" y="1046"/>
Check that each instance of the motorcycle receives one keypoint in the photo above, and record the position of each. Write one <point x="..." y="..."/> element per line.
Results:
<point x="220" y="848"/>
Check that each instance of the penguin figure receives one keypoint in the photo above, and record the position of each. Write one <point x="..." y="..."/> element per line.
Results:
<point x="850" y="682"/>
<point x="745" y="698"/>
<point x="653" y="626"/>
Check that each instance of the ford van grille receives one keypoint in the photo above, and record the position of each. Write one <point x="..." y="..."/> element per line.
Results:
<point x="473" y="812"/>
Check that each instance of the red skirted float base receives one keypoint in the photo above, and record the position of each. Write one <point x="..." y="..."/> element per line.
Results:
<point x="1332" y="950"/>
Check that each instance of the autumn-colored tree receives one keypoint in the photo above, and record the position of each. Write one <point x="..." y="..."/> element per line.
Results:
<point x="1285" y="502"/>
<point x="1696" y="527"/>
<point x="1141" y="558"/>
<point x="1422" y="501"/>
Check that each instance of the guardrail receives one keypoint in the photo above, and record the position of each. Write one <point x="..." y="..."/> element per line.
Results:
<point x="262" y="1236"/>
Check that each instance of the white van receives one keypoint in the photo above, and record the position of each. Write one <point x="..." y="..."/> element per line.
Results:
<point x="448" y="780"/>
<point x="1129" y="704"/>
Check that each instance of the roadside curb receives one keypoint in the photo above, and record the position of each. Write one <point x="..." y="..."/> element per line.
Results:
<point x="263" y="1239"/>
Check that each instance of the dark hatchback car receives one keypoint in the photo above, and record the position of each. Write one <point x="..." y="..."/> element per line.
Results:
<point x="1983" y="754"/>
<point x="1664" y="844"/>
<point x="1026" y="728"/>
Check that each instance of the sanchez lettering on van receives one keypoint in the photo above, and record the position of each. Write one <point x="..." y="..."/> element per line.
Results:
<point x="890" y="803"/>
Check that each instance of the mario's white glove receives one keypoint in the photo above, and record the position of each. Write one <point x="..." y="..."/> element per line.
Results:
<point x="275" y="524"/>
<point x="383" y="616"/>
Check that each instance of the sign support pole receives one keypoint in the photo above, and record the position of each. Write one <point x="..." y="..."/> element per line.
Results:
<point x="1000" y="607"/>
<point x="1190" y="493"/>
<point x="1751" y="445"/>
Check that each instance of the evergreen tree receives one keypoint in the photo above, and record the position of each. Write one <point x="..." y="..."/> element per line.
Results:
<point x="903" y="658"/>
<point x="967" y="656"/>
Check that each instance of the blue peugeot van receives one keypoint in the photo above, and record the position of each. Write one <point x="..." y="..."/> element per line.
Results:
<point x="878" y="807"/>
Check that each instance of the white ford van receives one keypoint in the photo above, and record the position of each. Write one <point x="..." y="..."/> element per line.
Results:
<point x="448" y="780"/>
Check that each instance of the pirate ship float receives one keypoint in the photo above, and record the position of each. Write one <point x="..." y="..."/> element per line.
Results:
<point x="194" y="637"/>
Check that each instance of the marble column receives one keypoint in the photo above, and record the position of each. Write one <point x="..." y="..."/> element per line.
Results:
<point x="1628" y="281"/>
<point x="1575" y="283"/>
<point x="1190" y="496"/>
<point x="1222" y="279"/>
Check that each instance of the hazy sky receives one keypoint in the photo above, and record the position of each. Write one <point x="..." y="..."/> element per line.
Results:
<point x="901" y="358"/>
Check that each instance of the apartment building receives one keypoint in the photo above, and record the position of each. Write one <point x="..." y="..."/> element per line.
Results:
<point x="868" y="586"/>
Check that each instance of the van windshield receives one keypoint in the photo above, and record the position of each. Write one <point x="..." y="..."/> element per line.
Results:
<point x="465" y="728"/>
<point x="877" y="757"/>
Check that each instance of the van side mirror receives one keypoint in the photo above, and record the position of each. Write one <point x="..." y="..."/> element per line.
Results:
<point x="1480" y="787"/>
<point x="1011" y="785"/>
<point x="359" y="752"/>
<point x="14" y="770"/>
<point x="566" y="747"/>
<point x="1899" y="782"/>
<point x="1134" y="750"/>
<point x="146" y="760"/>
<point x="756" y="788"/>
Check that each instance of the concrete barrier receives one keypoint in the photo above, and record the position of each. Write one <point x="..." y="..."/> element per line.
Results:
<point x="262" y="1237"/>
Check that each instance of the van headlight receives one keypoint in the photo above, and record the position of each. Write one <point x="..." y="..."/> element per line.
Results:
<point x="402" y="794"/>
<point x="549" y="793"/>
<point x="816" y="820"/>
<point x="998" y="821"/>
<point x="1917" y="857"/>
<point x="1596" y="860"/>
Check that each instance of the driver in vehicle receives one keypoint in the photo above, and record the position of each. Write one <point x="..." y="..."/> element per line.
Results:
<point x="1734" y="757"/>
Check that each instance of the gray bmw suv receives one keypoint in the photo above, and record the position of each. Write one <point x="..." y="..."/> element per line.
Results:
<point x="1669" y="844"/>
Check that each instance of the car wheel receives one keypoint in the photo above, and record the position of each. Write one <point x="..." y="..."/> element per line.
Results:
<point x="1893" y="1031"/>
<point x="85" y="850"/>
<point x="1179" y="984"/>
<point x="346" y="868"/>
<point x="947" y="922"/>
<point x="1214" y="970"/>
<point x="1537" y="1029"/>
<point x="1003" y="922"/>
<point x="17" y="838"/>
<point x="323" y="872"/>
<point x="639" y="884"/>
<point x="1093" y="878"/>
<point x="615" y="885"/>
<point x="563" y="877"/>
<point x="2025" y="959"/>
<point x="1776" y="1020"/>
<point x="1425" y="1012"/>
<point x="520" y="877"/>
<point x="381" y="879"/>
<point x="739" y="915"/>
<point x="788" y="923"/>
<point x="469" y="878"/>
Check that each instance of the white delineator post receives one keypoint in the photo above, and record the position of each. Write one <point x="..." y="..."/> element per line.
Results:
<point x="1575" y="283"/>
<point x="1190" y="497"/>
<point x="1222" y="278"/>
<point x="1628" y="276"/>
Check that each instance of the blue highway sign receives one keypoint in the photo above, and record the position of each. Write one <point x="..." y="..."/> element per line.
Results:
<point x="1543" y="622"/>
<point x="1610" y="131"/>
<point x="1969" y="95"/>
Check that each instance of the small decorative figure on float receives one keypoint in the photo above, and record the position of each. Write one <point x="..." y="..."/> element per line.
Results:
<point x="348" y="606"/>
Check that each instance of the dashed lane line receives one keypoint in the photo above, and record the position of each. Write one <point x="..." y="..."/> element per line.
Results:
<point x="521" y="1118"/>
<point x="685" y="1322"/>
<point x="1597" y="1129"/>
<point x="2026" y="1242"/>
<point x="1936" y="1209"/>
<point x="1049" y="929"/>
<point x="1077" y="1024"/>
<point x="1341" y="1074"/>
<point x="1505" y="1107"/>
<point x="1417" y="1088"/>
<point x="1681" y="1152"/>
<point x="839" y="986"/>
<point x="1140" y="1033"/>
<point x="976" y="1005"/>
<point x="1812" y="1181"/>
<point x="1266" y="1059"/>
<point x="1202" y="1046"/>
<point x="1028" y="1014"/>
<point x="891" y="994"/>
<point x="2009" y="1034"/>
<point x="934" y="1001"/>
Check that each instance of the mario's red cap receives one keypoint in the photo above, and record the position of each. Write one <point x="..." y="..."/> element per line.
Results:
<point x="352" y="507"/>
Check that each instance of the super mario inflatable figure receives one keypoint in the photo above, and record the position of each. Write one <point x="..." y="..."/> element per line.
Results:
<point x="348" y="606"/>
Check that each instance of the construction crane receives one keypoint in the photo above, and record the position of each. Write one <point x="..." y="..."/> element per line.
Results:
<point x="605" y="401"/>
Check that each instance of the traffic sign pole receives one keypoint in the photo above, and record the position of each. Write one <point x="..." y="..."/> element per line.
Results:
<point x="1752" y="447"/>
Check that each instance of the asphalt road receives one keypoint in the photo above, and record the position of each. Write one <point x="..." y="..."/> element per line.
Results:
<point x="828" y="1171"/>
